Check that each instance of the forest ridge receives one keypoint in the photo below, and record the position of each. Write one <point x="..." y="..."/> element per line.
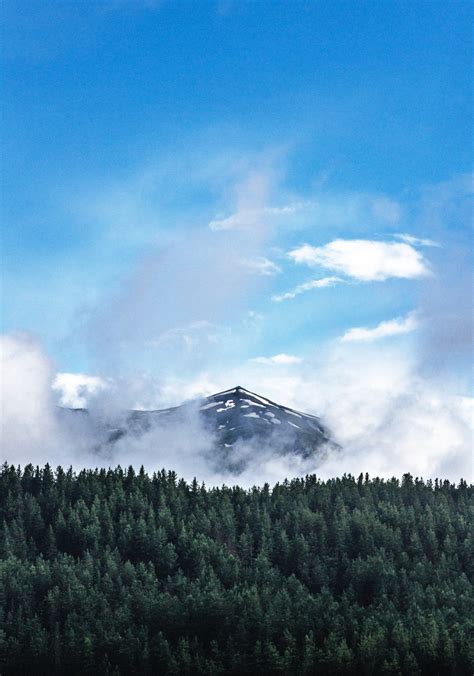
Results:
<point x="119" y="572"/>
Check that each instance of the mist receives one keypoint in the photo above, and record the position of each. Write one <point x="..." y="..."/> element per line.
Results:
<point x="387" y="419"/>
<point x="37" y="430"/>
<point x="174" y="304"/>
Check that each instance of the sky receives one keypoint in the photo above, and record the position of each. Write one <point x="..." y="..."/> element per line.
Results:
<point x="197" y="195"/>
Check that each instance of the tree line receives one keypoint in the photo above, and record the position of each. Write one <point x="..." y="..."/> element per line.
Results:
<point x="119" y="572"/>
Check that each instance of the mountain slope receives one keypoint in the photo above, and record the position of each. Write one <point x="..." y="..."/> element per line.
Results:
<point x="233" y="425"/>
<point x="238" y="415"/>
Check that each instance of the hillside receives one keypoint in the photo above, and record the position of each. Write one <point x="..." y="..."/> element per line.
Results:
<point x="113" y="572"/>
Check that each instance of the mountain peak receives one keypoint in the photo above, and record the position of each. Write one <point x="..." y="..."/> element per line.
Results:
<point x="233" y="417"/>
<point x="238" y="414"/>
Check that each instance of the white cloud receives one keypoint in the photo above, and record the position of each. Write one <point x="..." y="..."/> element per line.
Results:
<point x="416" y="241"/>
<point x="388" y="419"/>
<point x="393" y="327"/>
<point x="278" y="360"/>
<point x="75" y="388"/>
<point x="307" y="286"/>
<point x="33" y="429"/>
<point x="364" y="260"/>
<point x="29" y="427"/>
<point x="261" y="266"/>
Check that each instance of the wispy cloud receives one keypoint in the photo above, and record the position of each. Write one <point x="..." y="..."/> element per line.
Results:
<point x="155" y="316"/>
<point x="278" y="360"/>
<point x="364" y="260"/>
<point x="416" y="241"/>
<point x="191" y="336"/>
<point x="250" y="218"/>
<point x="307" y="286"/>
<point x="393" y="327"/>
<point x="261" y="266"/>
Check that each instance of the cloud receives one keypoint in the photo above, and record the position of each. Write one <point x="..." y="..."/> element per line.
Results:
<point x="33" y="429"/>
<point x="190" y="276"/>
<point x="388" y="419"/>
<point x="365" y="260"/>
<point x="416" y="241"/>
<point x="251" y="218"/>
<point x="308" y="286"/>
<point x="277" y="359"/>
<point x="29" y="427"/>
<point x="250" y="196"/>
<point x="393" y="327"/>
<point x="179" y="292"/>
<point x="76" y="388"/>
<point x="261" y="266"/>
<point x="191" y="336"/>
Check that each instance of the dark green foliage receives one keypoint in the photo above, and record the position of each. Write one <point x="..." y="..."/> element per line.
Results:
<point x="116" y="572"/>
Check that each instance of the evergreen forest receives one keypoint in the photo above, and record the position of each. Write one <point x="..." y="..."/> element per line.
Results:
<point x="120" y="572"/>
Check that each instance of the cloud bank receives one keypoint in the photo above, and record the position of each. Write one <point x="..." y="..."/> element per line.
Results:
<point x="387" y="417"/>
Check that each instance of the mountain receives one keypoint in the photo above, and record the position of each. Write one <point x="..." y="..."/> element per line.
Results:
<point x="234" y="419"/>
<point x="238" y="414"/>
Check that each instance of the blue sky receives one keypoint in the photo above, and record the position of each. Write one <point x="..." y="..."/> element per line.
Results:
<point x="166" y="162"/>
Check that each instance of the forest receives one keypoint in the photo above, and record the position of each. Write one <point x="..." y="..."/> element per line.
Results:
<point x="121" y="572"/>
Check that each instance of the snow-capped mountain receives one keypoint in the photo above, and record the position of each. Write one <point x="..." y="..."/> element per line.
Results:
<point x="231" y="420"/>
<point x="240" y="415"/>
